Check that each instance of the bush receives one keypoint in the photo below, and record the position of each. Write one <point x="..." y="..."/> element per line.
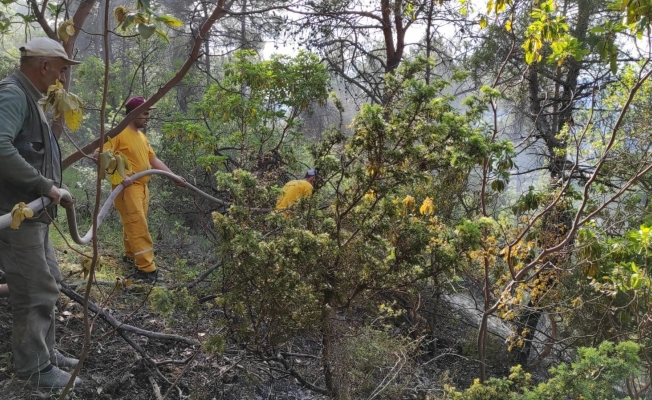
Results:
<point x="595" y="375"/>
<point x="373" y="363"/>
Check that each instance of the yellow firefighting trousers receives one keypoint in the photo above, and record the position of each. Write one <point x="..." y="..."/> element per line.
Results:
<point x="132" y="204"/>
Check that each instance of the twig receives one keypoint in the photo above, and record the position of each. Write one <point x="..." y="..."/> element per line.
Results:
<point x="143" y="355"/>
<point x="124" y="327"/>
<point x="155" y="388"/>
<point x="174" y="384"/>
<point x="300" y="355"/>
<point x="390" y="377"/>
<point x="292" y="372"/>
<point x="202" y="276"/>
<point x="177" y="362"/>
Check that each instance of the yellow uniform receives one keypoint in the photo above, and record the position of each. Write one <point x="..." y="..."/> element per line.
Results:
<point x="292" y="191"/>
<point x="133" y="202"/>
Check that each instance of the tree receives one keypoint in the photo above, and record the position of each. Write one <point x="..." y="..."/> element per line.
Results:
<point x="565" y="212"/>
<point x="361" y="41"/>
<point x="309" y="268"/>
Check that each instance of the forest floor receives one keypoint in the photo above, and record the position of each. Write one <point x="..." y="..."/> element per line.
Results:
<point x="154" y="368"/>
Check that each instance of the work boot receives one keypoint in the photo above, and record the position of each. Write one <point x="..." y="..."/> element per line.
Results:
<point x="147" y="277"/>
<point x="53" y="379"/>
<point x="61" y="361"/>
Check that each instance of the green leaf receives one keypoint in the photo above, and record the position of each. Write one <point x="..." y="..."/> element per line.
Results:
<point x="54" y="9"/>
<point x="127" y="22"/>
<point x="26" y="18"/>
<point x="146" y="31"/>
<point x="163" y="35"/>
<point x="498" y="185"/>
<point x="143" y="4"/>
<point x="635" y="282"/>
<point x="170" y="21"/>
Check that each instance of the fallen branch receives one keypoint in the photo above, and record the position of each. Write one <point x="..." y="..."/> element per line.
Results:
<point x="124" y="327"/>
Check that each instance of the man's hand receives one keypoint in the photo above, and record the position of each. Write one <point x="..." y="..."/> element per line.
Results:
<point x="67" y="204"/>
<point x="181" y="182"/>
<point x="126" y="182"/>
<point x="55" y="195"/>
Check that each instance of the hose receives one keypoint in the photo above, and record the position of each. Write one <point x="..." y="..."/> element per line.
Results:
<point x="71" y="216"/>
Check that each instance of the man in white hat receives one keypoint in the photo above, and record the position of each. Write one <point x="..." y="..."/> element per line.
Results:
<point x="31" y="168"/>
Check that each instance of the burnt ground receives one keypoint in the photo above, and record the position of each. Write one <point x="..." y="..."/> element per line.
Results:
<point x="116" y="369"/>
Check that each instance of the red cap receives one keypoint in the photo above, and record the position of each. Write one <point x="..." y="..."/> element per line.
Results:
<point x="134" y="103"/>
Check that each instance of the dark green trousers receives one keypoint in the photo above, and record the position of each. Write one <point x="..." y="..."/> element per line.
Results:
<point x="33" y="276"/>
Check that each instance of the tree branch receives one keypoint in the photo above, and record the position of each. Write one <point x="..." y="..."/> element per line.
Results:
<point x="40" y="18"/>
<point x="192" y="58"/>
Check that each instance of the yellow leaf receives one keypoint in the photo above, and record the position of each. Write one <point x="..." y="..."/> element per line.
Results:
<point x="70" y="101"/>
<point x="115" y="179"/>
<point x="107" y="163"/>
<point x="174" y="23"/>
<point x="370" y="195"/>
<point x="120" y="14"/>
<point x="508" y="25"/>
<point x="118" y="168"/>
<point x="19" y="213"/>
<point x="27" y="212"/>
<point x="74" y="118"/>
<point x="163" y="35"/>
<point x="86" y="263"/>
<point x="121" y="168"/>
<point x="593" y="269"/>
<point x="483" y="22"/>
<point x="427" y="208"/>
<point x="409" y="202"/>
<point x="65" y="30"/>
<point x="63" y="102"/>
<point x="113" y="165"/>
